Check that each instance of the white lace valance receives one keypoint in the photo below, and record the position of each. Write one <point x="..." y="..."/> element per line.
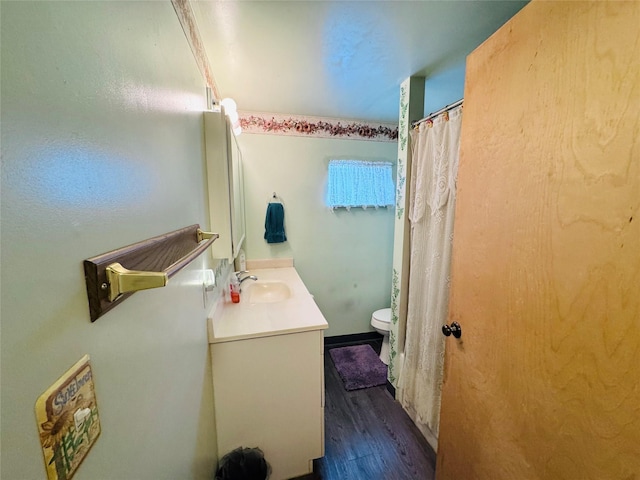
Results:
<point x="356" y="183"/>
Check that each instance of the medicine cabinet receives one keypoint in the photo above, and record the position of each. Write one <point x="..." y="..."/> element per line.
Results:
<point x="225" y="185"/>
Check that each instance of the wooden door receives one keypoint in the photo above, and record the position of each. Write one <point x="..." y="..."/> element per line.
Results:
<point x="545" y="381"/>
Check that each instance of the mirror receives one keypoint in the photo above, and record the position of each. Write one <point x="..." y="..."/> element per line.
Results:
<point x="237" y="193"/>
<point x="225" y="186"/>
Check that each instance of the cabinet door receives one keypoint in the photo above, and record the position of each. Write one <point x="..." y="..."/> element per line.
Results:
<point x="268" y="394"/>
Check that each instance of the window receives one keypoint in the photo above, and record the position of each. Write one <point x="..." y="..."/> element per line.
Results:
<point x="355" y="183"/>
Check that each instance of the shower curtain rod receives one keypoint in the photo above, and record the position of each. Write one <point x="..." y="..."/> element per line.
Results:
<point x="435" y="114"/>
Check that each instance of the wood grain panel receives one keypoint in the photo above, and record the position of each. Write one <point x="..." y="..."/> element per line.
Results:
<point x="545" y="382"/>
<point x="169" y="253"/>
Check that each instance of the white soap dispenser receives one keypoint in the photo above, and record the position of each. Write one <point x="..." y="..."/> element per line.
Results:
<point x="242" y="261"/>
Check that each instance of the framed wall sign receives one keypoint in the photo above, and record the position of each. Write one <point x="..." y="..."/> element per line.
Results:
<point x="68" y="422"/>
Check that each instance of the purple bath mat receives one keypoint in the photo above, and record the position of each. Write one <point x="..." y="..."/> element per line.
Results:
<point x="359" y="366"/>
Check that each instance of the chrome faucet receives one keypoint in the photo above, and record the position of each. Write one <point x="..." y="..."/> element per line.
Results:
<point x="242" y="279"/>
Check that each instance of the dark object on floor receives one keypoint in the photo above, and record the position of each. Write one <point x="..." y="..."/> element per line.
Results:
<point x="243" y="464"/>
<point x="359" y="366"/>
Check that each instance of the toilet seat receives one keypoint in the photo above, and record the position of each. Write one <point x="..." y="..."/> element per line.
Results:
<point x="381" y="321"/>
<point x="381" y="318"/>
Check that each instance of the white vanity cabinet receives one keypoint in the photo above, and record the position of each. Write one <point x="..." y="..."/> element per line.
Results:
<point x="225" y="186"/>
<point x="269" y="393"/>
<point x="268" y="374"/>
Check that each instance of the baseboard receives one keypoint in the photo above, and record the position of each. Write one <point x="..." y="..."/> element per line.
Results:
<point x="352" y="338"/>
<point x="391" y="389"/>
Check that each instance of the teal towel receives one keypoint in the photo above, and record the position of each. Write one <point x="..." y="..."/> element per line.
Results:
<point x="274" y="224"/>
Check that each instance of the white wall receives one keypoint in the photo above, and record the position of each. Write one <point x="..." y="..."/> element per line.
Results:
<point x="343" y="257"/>
<point x="102" y="147"/>
<point x="444" y="87"/>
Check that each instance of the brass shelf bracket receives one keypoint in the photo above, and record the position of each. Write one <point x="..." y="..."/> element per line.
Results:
<point x="201" y="235"/>
<point x="114" y="276"/>
<point x="121" y="280"/>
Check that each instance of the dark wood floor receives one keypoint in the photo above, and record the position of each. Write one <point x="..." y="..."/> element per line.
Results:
<point x="368" y="436"/>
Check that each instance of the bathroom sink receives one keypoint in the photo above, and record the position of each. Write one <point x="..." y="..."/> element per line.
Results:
<point x="268" y="292"/>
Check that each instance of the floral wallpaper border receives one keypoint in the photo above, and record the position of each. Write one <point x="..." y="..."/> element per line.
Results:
<point x="411" y="86"/>
<point x="395" y="307"/>
<point x="322" y="127"/>
<point x="402" y="147"/>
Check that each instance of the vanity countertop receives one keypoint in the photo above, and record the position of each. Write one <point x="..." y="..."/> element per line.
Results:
<point x="237" y="321"/>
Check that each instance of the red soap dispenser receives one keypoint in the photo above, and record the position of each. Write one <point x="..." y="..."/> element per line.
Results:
<point x="234" y="289"/>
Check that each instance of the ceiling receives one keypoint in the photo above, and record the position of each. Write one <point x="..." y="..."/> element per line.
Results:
<point x="343" y="59"/>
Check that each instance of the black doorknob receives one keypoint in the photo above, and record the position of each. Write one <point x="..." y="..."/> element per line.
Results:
<point x="454" y="329"/>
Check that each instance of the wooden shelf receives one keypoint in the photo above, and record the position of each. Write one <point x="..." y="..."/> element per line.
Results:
<point x="114" y="276"/>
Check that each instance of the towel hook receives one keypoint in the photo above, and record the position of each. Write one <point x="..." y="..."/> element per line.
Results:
<point x="276" y="198"/>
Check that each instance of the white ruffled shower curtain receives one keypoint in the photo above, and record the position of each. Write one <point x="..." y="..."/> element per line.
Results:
<point x="435" y="148"/>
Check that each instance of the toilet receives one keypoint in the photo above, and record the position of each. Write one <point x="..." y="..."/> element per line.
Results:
<point x="380" y="320"/>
